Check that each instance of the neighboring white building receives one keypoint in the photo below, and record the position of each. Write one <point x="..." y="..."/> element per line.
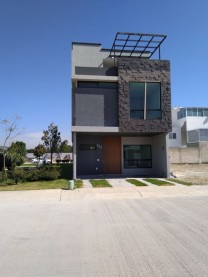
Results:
<point x="189" y="125"/>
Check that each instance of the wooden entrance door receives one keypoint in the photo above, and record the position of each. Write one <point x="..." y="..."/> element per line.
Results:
<point x="112" y="155"/>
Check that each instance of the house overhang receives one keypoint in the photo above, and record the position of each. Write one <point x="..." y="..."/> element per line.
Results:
<point x="136" y="45"/>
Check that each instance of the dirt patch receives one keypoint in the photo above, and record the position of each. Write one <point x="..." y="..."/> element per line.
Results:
<point x="194" y="173"/>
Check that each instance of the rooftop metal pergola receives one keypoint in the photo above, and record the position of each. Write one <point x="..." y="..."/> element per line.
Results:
<point x="136" y="45"/>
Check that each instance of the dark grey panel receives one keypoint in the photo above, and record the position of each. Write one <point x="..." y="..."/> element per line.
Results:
<point x="104" y="71"/>
<point x="142" y="70"/>
<point x="90" y="162"/>
<point x="96" y="107"/>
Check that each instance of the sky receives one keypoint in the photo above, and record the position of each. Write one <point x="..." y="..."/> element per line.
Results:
<point x="35" y="53"/>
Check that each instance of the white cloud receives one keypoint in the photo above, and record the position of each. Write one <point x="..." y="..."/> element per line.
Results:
<point x="31" y="139"/>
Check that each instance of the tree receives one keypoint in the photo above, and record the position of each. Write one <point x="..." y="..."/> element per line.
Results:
<point x="31" y="150"/>
<point x="52" y="139"/>
<point x="16" y="153"/>
<point x="11" y="131"/>
<point x="39" y="151"/>
<point x="65" y="147"/>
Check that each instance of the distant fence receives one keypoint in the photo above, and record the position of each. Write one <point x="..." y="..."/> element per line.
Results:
<point x="197" y="153"/>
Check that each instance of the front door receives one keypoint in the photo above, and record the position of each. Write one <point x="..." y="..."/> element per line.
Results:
<point x="112" y="155"/>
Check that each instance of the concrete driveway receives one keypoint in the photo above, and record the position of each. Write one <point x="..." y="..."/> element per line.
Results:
<point x="126" y="231"/>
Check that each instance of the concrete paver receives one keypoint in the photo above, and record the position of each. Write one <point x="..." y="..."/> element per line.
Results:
<point x="119" y="182"/>
<point x="119" y="231"/>
<point x="87" y="184"/>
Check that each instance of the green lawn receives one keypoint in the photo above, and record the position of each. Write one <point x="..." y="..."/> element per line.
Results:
<point x="158" y="182"/>
<point x="100" y="183"/>
<point x="78" y="184"/>
<point x="41" y="185"/>
<point x="180" y="182"/>
<point x="136" y="182"/>
<point x="56" y="184"/>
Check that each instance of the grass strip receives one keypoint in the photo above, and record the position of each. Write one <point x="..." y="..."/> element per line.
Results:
<point x="100" y="183"/>
<point x="158" y="182"/>
<point x="39" y="185"/>
<point x="78" y="184"/>
<point x="136" y="182"/>
<point x="180" y="182"/>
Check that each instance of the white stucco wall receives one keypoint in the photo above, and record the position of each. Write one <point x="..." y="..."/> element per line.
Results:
<point x="175" y="142"/>
<point x="196" y="122"/>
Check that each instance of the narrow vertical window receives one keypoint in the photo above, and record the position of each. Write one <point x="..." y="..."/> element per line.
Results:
<point x="145" y="100"/>
<point x="137" y="94"/>
<point x="153" y="105"/>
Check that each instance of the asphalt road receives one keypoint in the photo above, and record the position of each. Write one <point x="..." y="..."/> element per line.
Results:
<point x="105" y="232"/>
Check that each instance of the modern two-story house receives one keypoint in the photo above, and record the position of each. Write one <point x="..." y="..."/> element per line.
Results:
<point x="121" y="107"/>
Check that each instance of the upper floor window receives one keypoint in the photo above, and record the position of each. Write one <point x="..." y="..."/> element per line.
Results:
<point x="145" y="100"/>
<point x="92" y="84"/>
<point x="200" y="112"/>
<point x="181" y="113"/>
<point x="191" y="112"/>
<point x="172" y="135"/>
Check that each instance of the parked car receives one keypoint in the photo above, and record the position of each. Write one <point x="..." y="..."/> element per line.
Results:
<point x="40" y="161"/>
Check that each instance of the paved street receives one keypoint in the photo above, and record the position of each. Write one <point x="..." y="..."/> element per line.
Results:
<point x="120" y="231"/>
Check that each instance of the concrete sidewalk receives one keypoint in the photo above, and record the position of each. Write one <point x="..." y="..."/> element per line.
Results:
<point x="122" y="182"/>
<point x="119" y="231"/>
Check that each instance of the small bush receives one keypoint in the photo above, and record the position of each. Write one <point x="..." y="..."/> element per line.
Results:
<point x="18" y="175"/>
<point x="49" y="173"/>
<point x="40" y="174"/>
<point x="66" y="171"/>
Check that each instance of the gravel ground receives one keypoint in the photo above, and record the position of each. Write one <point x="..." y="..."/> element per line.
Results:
<point x="195" y="173"/>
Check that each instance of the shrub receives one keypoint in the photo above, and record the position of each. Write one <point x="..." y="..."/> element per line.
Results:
<point x="66" y="171"/>
<point x="31" y="175"/>
<point x="49" y="173"/>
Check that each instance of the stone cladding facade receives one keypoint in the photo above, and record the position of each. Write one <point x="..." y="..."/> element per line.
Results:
<point x="144" y="70"/>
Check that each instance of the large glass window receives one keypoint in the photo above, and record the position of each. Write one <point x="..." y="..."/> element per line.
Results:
<point x="191" y="112"/>
<point x="137" y="156"/>
<point x="145" y="100"/>
<point x="200" y="112"/>
<point x="205" y="112"/>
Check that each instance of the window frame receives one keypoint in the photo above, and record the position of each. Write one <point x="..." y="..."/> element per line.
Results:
<point x="172" y="135"/>
<point x="87" y="146"/>
<point x="97" y="85"/>
<point x="138" y="161"/>
<point x="145" y="109"/>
